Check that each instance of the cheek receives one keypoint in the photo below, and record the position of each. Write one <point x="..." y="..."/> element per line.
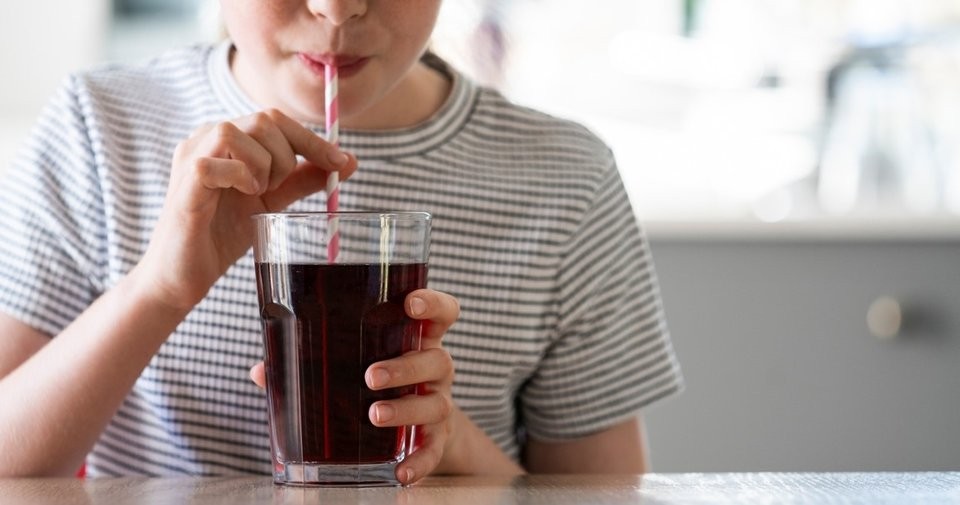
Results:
<point x="412" y="22"/>
<point x="253" y="23"/>
<point x="407" y="45"/>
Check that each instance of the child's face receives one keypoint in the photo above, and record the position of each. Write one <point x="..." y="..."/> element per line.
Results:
<point x="282" y="45"/>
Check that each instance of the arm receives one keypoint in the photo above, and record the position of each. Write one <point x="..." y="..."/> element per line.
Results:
<point x="58" y="395"/>
<point x="612" y="354"/>
<point x="471" y="452"/>
<point x="620" y="449"/>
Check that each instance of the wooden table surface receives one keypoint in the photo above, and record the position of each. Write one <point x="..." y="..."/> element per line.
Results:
<point x="720" y="488"/>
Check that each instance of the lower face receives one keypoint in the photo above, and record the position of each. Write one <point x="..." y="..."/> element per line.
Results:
<point x="282" y="47"/>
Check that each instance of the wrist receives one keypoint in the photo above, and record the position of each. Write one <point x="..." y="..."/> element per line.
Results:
<point x="469" y="451"/>
<point x="146" y="292"/>
<point x="454" y="452"/>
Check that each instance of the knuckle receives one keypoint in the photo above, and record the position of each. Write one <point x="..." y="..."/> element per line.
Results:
<point x="268" y="160"/>
<point x="284" y="164"/>
<point x="225" y="135"/>
<point x="446" y="366"/>
<point x="446" y="303"/>
<point x="181" y="151"/>
<point x="449" y="369"/>
<point x="274" y="114"/>
<point x="410" y="369"/>
<point x="445" y="407"/>
<point x="226" y="129"/>
<point x="260" y="123"/>
<point x="456" y="306"/>
<point x="203" y="167"/>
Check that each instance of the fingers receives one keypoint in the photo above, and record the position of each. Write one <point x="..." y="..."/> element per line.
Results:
<point x="258" y="375"/>
<point x="432" y="369"/>
<point x="411" y="410"/>
<point x="441" y="309"/>
<point x="431" y="438"/>
<point x="284" y="138"/>
<point x="432" y="365"/>
<point x="426" y="456"/>
<point x="262" y="128"/>
<point x="228" y="142"/>
<point x="264" y="145"/>
<point x="308" y="144"/>
<point x="217" y="157"/>
<point x="216" y="173"/>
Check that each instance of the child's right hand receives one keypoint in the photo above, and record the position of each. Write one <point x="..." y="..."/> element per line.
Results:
<point x="222" y="175"/>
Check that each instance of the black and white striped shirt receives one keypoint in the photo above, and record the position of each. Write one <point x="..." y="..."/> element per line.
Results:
<point x="561" y="331"/>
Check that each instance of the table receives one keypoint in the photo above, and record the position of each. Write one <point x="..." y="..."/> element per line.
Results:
<point x="720" y="488"/>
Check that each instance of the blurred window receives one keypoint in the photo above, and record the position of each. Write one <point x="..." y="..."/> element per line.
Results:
<point x="740" y="108"/>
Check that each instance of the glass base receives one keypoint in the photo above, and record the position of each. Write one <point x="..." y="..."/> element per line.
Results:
<point x="360" y="475"/>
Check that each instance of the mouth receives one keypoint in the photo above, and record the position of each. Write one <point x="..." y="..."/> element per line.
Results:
<point x="347" y="65"/>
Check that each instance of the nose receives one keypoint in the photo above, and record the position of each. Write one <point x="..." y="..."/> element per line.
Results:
<point x="338" y="12"/>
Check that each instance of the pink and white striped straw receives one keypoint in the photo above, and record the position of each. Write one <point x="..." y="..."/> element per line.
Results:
<point x="332" y="113"/>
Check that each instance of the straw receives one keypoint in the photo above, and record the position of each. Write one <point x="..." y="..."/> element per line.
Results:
<point x="332" y="113"/>
<point x="332" y="117"/>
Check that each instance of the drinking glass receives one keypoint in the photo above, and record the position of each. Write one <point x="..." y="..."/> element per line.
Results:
<point x="331" y="290"/>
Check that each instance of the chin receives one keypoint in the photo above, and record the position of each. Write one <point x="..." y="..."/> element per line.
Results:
<point x="304" y="111"/>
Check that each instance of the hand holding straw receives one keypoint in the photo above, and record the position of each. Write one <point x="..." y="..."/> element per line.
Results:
<point x="332" y="113"/>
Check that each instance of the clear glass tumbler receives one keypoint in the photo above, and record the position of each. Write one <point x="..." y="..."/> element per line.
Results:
<point x="331" y="290"/>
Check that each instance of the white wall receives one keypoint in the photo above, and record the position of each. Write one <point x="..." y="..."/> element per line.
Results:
<point x="40" y="43"/>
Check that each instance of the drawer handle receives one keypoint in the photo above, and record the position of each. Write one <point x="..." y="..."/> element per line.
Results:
<point x="885" y="318"/>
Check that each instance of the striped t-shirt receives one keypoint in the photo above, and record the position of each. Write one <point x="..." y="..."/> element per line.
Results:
<point x="561" y="332"/>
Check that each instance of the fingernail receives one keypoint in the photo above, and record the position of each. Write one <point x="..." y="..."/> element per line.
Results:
<point x="417" y="306"/>
<point x="408" y="476"/>
<point x="338" y="157"/>
<point x="379" y="377"/>
<point x="383" y="413"/>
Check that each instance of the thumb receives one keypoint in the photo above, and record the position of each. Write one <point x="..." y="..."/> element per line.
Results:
<point x="259" y="375"/>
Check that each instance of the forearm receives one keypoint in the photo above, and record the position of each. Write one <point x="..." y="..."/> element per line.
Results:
<point x="57" y="403"/>
<point x="619" y="449"/>
<point x="471" y="452"/>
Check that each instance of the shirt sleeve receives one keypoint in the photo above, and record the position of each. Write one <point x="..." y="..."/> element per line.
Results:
<point x="612" y="354"/>
<point x="50" y="201"/>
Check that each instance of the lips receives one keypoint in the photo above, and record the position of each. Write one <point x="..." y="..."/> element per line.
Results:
<point x="347" y="65"/>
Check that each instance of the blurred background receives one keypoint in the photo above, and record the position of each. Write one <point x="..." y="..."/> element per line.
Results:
<point x="796" y="164"/>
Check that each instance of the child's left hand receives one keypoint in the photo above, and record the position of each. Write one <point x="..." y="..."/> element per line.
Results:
<point x="432" y="368"/>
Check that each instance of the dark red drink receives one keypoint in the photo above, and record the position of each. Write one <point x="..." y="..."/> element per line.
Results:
<point x="323" y="326"/>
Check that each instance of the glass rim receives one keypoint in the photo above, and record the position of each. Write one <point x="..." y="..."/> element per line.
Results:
<point x="347" y="215"/>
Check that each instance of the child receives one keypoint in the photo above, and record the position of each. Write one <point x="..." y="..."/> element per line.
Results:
<point x="128" y="312"/>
